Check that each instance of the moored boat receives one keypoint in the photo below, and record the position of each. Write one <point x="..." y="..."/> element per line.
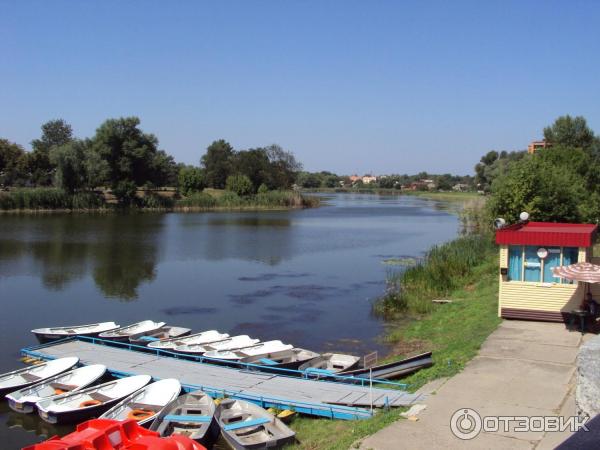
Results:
<point x="123" y="333"/>
<point x="144" y="405"/>
<point x="231" y="343"/>
<point x="269" y="349"/>
<point x="191" y="415"/>
<point x="394" y="369"/>
<point x="290" y="359"/>
<point x="246" y="426"/>
<point x="198" y="338"/>
<point x="166" y="332"/>
<point x="329" y="363"/>
<point x="78" y="406"/>
<point x="24" y="400"/>
<point x="18" y="379"/>
<point x="50" y="334"/>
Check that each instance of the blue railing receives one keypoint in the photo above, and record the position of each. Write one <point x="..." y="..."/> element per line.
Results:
<point x="314" y="409"/>
<point x="363" y="381"/>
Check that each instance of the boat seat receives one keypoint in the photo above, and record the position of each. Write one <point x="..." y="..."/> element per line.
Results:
<point x="30" y="377"/>
<point x="63" y="387"/>
<point x="268" y="362"/>
<point x="145" y="406"/>
<point x="187" y="418"/>
<point x="246" y="424"/>
<point x="149" y="338"/>
<point x="101" y="397"/>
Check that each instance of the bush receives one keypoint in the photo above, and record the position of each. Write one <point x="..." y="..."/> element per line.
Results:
<point x="230" y="199"/>
<point x="155" y="201"/>
<point x="191" y="179"/>
<point x="125" y="192"/>
<point x="263" y="189"/>
<point x="240" y="184"/>
<point x="86" y="200"/>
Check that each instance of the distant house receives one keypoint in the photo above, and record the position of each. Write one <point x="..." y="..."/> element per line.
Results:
<point x="354" y="178"/>
<point x="536" y="145"/>
<point x="368" y="179"/>
<point x="460" y="187"/>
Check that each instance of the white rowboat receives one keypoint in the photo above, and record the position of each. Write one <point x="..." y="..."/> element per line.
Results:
<point x="18" y="379"/>
<point x="44" y="335"/>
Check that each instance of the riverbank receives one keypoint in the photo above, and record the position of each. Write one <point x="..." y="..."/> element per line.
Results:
<point x="44" y="200"/>
<point x="453" y="331"/>
<point x="450" y="196"/>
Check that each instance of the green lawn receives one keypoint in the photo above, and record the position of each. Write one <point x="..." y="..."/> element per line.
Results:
<point x="454" y="331"/>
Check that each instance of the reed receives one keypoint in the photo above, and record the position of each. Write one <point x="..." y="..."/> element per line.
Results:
<point x="48" y="199"/>
<point x="445" y="268"/>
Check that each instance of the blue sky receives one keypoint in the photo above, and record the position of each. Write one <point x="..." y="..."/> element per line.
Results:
<point x="348" y="86"/>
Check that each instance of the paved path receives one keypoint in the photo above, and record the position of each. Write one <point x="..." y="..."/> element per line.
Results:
<point x="523" y="369"/>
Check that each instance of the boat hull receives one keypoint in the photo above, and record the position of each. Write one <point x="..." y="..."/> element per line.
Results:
<point x="394" y="369"/>
<point x="75" y="416"/>
<point x="44" y="338"/>
<point x="22" y="407"/>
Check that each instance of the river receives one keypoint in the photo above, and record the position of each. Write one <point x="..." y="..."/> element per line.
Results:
<point x="307" y="277"/>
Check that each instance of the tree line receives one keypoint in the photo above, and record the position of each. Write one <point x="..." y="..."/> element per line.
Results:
<point x="559" y="183"/>
<point x="122" y="157"/>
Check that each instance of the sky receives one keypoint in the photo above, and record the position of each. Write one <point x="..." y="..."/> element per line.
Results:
<point x="348" y="86"/>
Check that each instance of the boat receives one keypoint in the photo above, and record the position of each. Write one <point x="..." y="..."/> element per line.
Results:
<point x="44" y="335"/>
<point x="24" y="400"/>
<point x="106" y="434"/>
<point x="18" y="379"/>
<point x="191" y="415"/>
<point x="393" y="369"/>
<point x="246" y="426"/>
<point x="231" y="343"/>
<point x="144" y="405"/>
<point x="329" y="363"/>
<point x="269" y="349"/>
<point x="166" y="332"/>
<point x="77" y="406"/>
<point x="290" y="359"/>
<point x="123" y="333"/>
<point x="198" y="338"/>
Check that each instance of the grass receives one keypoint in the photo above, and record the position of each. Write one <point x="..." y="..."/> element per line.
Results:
<point x="216" y="199"/>
<point x="445" y="268"/>
<point x="453" y="331"/>
<point x="445" y="196"/>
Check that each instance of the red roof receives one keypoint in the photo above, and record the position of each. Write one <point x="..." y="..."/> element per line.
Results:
<point x="547" y="233"/>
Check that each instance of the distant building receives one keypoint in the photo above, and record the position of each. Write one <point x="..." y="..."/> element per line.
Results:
<point x="368" y="179"/>
<point x="536" y="145"/>
<point x="354" y="178"/>
<point x="459" y="187"/>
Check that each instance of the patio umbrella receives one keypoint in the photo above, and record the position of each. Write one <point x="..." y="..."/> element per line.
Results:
<point x="581" y="271"/>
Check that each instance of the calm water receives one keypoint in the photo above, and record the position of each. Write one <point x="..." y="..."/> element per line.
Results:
<point x="305" y="277"/>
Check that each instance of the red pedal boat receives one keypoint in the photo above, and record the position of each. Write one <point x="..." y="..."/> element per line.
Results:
<point x="107" y="434"/>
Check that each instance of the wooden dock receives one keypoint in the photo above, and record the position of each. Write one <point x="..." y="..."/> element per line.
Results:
<point x="315" y="397"/>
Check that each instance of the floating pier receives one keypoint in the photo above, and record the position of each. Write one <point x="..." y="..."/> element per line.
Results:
<point x="307" y="396"/>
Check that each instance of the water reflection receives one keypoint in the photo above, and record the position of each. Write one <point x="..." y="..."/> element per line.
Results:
<point x="119" y="250"/>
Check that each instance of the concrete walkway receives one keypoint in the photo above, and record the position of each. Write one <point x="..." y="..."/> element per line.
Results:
<point x="522" y="369"/>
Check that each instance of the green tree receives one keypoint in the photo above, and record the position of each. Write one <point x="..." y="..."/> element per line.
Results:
<point x="130" y="154"/>
<point x="69" y="161"/>
<point x="11" y="163"/>
<point x="191" y="179"/>
<point x="55" y="133"/>
<point x="217" y="163"/>
<point x="240" y="184"/>
<point x="125" y="191"/>
<point x="253" y="163"/>
<point x="569" y="132"/>
<point x="284" y="167"/>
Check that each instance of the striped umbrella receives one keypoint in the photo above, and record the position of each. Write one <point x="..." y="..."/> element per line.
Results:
<point x="581" y="271"/>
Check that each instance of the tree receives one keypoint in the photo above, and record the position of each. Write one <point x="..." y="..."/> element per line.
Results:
<point x="284" y="167"/>
<point x="217" y="163"/>
<point x="309" y="180"/>
<point x="253" y="163"/>
<point x="69" y="161"/>
<point x="130" y="154"/>
<point x="240" y="184"/>
<point x="11" y="163"/>
<point x="55" y="133"/>
<point x="191" y="179"/>
<point x="548" y="192"/>
<point x="570" y="132"/>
